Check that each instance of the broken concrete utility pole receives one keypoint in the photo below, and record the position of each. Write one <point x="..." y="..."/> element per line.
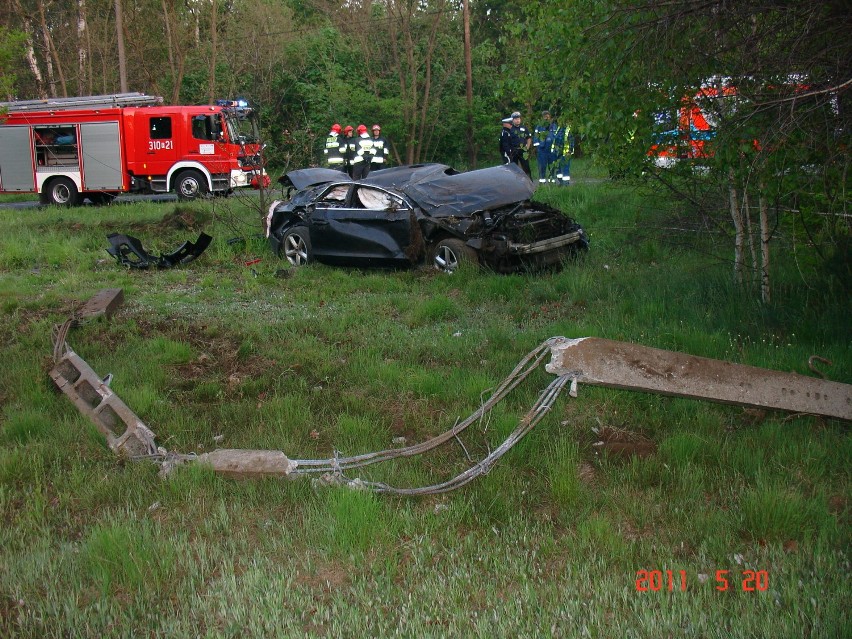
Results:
<point x="603" y="362"/>
<point x="587" y="360"/>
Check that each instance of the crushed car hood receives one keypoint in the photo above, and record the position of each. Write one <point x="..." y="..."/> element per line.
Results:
<point x="441" y="195"/>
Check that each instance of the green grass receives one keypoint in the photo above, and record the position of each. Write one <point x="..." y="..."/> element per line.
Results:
<point x="218" y="354"/>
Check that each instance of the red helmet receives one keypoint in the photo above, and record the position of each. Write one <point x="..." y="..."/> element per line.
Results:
<point x="335" y="128"/>
<point x="362" y="129"/>
<point x="376" y="127"/>
<point x="348" y="129"/>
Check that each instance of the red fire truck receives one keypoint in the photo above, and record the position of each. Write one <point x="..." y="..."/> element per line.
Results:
<point x="689" y="134"/>
<point x="97" y="147"/>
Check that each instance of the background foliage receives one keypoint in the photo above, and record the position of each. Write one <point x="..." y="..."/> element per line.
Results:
<point x="612" y="68"/>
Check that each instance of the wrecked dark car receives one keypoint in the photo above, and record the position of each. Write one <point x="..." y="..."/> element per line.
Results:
<point x="405" y="215"/>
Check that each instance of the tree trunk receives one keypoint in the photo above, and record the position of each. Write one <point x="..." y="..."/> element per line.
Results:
<point x="736" y="216"/>
<point x="177" y="57"/>
<point x="427" y="82"/>
<point x="51" y="54"/>
<point x="411" y="102"/>
<point x="211" y="76"/>
<point x="468" y="70"/>
<point x="749" y="232"/>
<point x="82" y="50"/>
<point x="765" y="291"/>
<point x="122" y="58"/>
<point x="32" y="62"/>
<point x="170" y="47"/>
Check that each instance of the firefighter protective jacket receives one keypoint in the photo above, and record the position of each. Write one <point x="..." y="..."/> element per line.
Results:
<point x="361" y="149"/>
<point x="380" y="150"/>
<point x="333" y="151"/>
<point x="347" y="149"/>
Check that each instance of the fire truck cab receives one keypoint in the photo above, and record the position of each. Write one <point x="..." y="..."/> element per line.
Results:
<point x="98" y="147"/>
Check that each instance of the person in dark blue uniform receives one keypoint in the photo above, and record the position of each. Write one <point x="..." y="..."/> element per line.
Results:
<point x="515" y="142"/>
<point x="543" y="137"/>
<point x="563" y="149"/>
<point x="506" y="140"/>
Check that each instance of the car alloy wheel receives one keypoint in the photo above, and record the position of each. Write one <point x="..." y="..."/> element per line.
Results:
<point x="296" y="246"/>
<point x="450" y="254"/>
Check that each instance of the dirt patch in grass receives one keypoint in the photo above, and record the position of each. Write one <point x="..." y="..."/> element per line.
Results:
<point x="326" y="577"/>
<point x="183" y="218"/>
<point x="219" y="357"/>
<point x="27" y="315"/>
<point x="838" y="505"/>
<point x="621" y="443"/>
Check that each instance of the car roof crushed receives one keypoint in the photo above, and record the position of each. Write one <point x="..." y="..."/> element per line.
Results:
<point x="465" y="193"/>
<point x="436" y="188"/>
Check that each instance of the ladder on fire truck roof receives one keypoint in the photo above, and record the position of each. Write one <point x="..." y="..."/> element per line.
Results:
<point x="86" y="102"/>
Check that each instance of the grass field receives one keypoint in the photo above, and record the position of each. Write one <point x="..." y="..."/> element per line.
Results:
<point x="550" y="543"/>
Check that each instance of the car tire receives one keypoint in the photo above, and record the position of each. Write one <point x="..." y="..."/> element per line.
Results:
<point x="296" y="246"/>
<point x="190" y="185"/>
<point x="450" y="254"/>
<point x="61" y="191"/>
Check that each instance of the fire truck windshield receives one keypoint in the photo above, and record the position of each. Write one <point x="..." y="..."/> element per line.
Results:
<point x="242" y="128"/>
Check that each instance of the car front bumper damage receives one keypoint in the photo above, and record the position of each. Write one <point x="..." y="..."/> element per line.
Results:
<point x="544" y="246"/>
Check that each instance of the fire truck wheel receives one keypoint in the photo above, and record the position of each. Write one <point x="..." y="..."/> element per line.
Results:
<point x="296" y="246"/>
<point x="190" y="185"/>
<point x="62" y="191"/>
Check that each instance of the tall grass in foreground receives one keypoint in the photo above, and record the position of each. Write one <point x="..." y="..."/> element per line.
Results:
<point x="217" y="354"/>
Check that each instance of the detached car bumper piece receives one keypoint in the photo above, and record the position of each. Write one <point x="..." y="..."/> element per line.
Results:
<point x="129" y="252"/>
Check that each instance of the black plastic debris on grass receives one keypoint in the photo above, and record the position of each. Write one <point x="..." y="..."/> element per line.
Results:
<point x="129" y="252"/>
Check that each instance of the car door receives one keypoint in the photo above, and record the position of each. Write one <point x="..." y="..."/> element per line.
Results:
<point x="371" y="225"/>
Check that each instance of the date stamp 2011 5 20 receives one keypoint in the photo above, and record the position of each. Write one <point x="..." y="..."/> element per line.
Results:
<point x="676" y="580"/>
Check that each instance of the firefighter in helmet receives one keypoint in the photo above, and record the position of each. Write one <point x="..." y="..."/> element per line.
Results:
<point x="380" y="149"/>
<point x="332" y="155"/>
<point x="347" y="149"/>
<point x="361" y="150"/>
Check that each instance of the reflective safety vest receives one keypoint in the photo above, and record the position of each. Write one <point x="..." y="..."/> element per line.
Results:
<point x="563" y="143"/>
<point x="333" y="151"/>
<point x="379" y="150"/>
<point x="361" y="148"/>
